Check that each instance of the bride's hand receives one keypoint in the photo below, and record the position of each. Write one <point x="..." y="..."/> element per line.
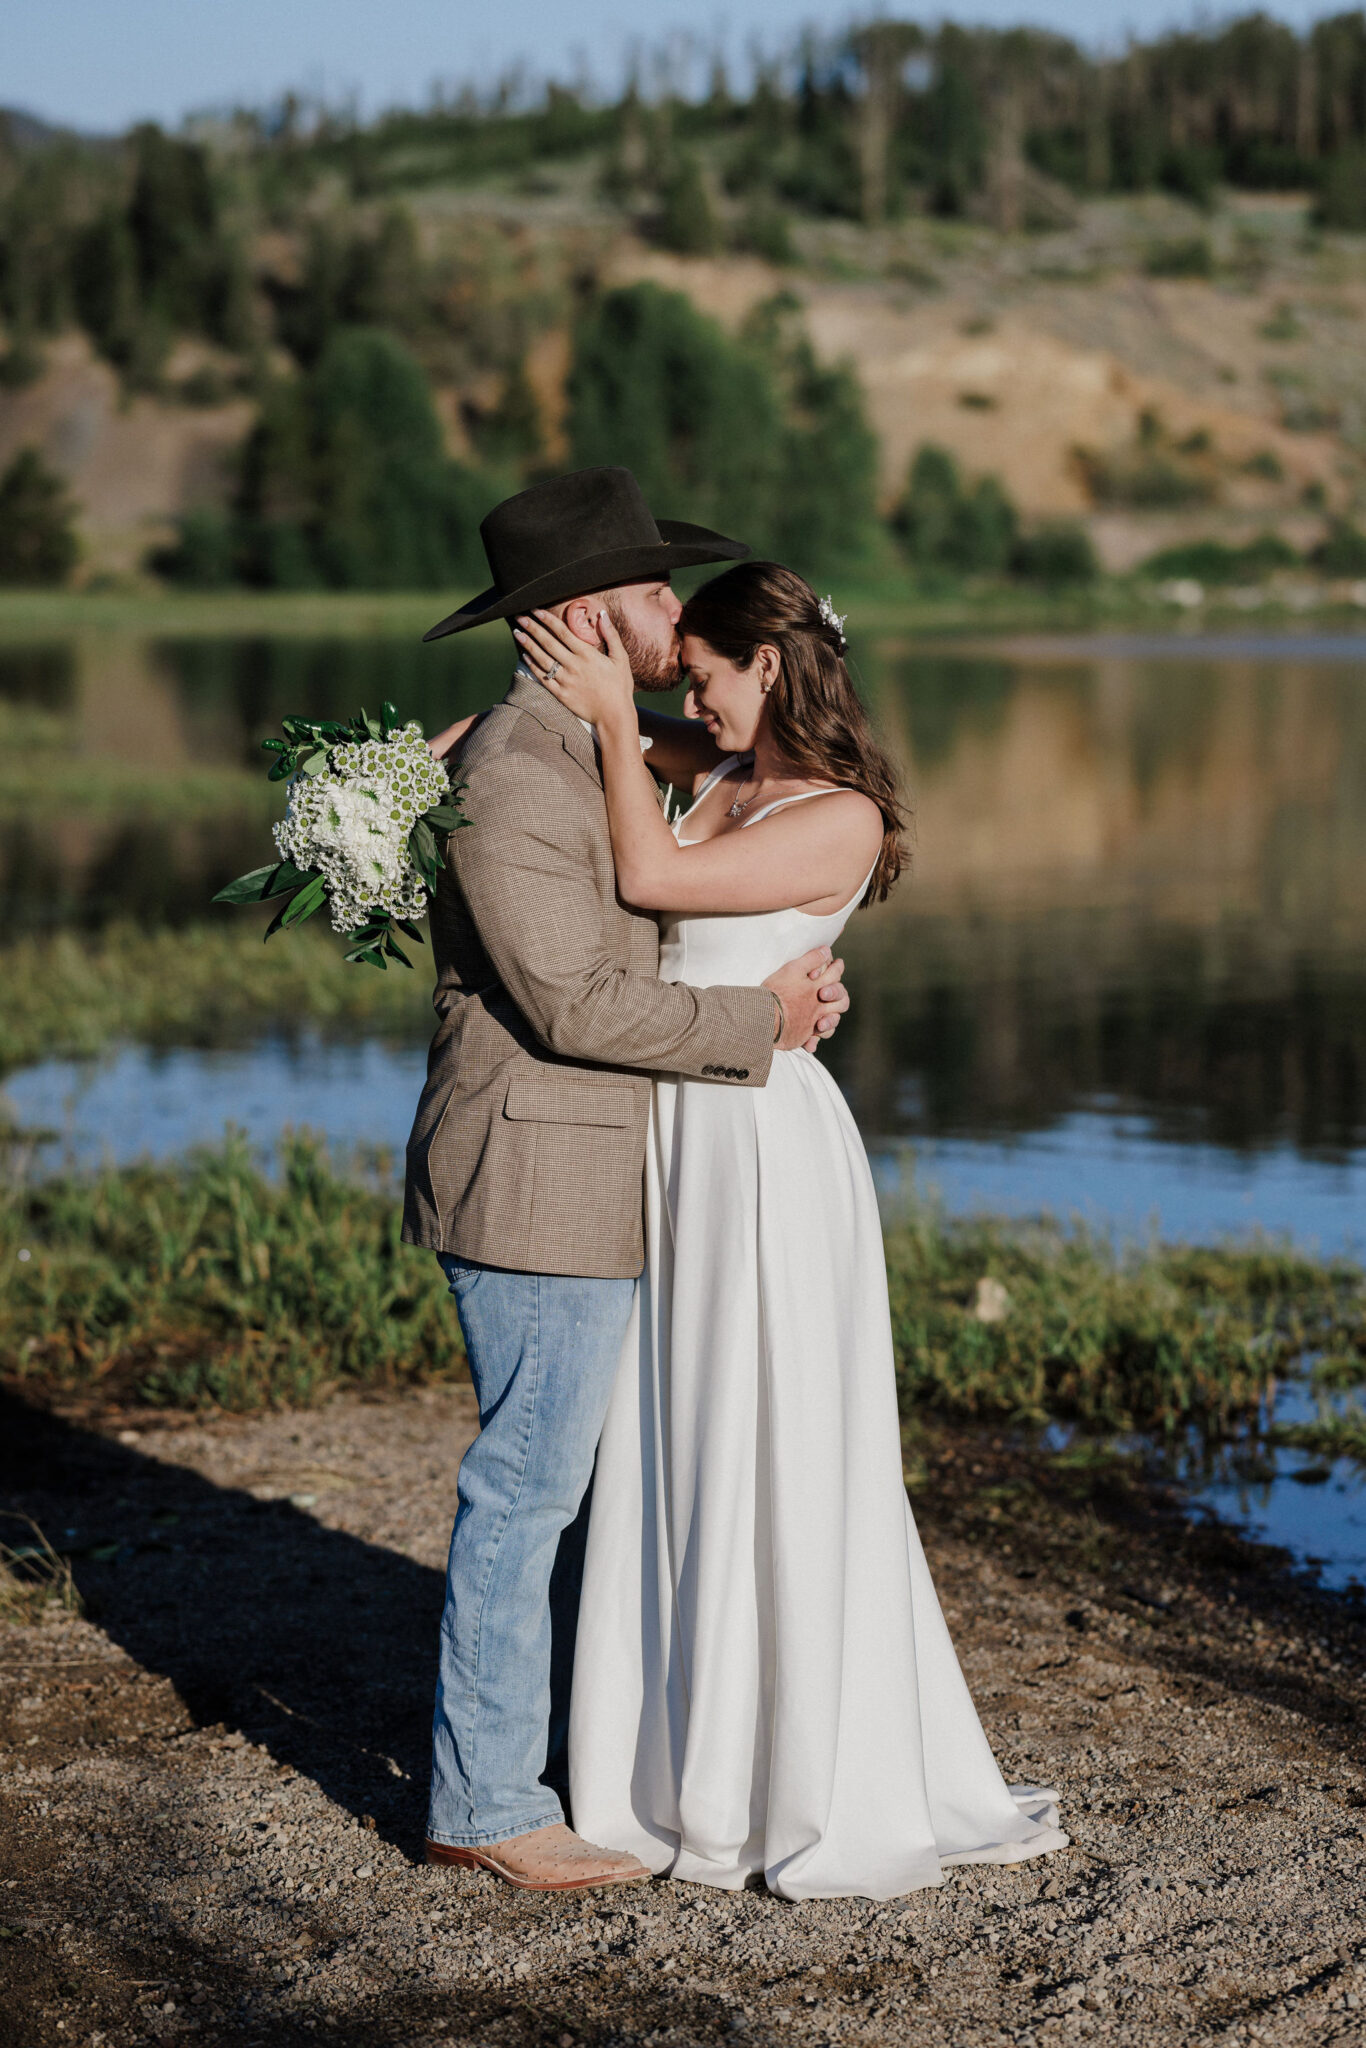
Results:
<point x="592" y="682"/>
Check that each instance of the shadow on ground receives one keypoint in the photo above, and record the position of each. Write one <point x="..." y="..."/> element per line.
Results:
<point x="316" y="1645"/>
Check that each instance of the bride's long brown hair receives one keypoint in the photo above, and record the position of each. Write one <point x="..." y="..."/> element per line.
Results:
<point x="815" y="715"/>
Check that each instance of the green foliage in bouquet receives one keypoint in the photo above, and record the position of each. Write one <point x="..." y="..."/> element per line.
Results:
<point x="370" y="812"/>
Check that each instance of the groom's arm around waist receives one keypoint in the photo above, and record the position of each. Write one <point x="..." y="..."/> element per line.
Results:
<point x="538" y="890"/>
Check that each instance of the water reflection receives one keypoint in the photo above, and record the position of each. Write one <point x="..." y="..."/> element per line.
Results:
<point x="1137" y="880"/>
<point x="1139" y="885"/>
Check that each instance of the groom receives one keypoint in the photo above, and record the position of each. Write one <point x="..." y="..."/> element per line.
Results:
<point x="526" y="1158"/>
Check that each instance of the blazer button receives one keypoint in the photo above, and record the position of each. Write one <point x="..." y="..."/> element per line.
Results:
<point x="742" y="1073"/>
<point x="708" y="1070"/>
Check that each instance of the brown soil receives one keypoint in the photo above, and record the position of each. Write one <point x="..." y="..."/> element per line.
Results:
<point x="213" y="1785"/>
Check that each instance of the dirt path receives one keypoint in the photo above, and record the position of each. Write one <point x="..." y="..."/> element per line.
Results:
<point x="211" y="1790"/>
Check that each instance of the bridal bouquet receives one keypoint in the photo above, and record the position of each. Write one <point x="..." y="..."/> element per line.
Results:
<point x="364" y="832"/>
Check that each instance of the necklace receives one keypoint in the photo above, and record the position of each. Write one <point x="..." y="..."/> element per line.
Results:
<point x="738" y="809"/>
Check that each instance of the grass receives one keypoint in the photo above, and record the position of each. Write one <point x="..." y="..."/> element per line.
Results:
<point x="44" y="775"/>
<point x="885" y="601"/>
<point x="1156" y="1340"/>
<point x="26" y="614"/>
<point x="72" y="994"/>
<point x="210" y="1283"/>
<point x="34" y="1580"/>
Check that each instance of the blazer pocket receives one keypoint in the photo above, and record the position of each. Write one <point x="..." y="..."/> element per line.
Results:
<point x="540" y="1099"/>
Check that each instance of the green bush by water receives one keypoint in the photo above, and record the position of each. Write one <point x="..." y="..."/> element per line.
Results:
<point x="1151" y="1341"/>
<point x="75" y="993"/>
<point x="207" y="1282"/>
<point x="210" y="1284"/>
<point x="946" y="525"/>
<point x="1213" y="561"/>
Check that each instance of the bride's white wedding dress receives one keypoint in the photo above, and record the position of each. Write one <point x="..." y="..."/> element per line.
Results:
<point x="764" y="1683"/>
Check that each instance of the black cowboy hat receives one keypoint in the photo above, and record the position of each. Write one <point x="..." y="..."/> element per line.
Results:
<point x="586" y="531"/>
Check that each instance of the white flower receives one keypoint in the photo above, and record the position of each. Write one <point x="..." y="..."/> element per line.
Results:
<point x="352" y="822"/>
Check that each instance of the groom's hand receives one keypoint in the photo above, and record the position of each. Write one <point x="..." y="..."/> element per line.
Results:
<point x="812" y="997"/>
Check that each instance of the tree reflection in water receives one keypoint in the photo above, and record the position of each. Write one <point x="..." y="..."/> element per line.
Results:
<point x="1138" y="880"/>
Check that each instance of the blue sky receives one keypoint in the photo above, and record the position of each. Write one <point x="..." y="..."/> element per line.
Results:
<point x="101" y="64"/>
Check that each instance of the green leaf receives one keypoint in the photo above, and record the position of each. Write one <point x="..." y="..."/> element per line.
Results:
<point x="281" y="769"/>
<point x="388" y="717"/>
<point x="442" y="818"/>
<point x="275" y="922"/>
<point x="252" y="888"/>
<point x="410" y="931"/>
<point x="287" y="876"/>
<point x="274" y="746"/>
<point x="263" y="883"/>
<point x="396" y="952"/>
<point x="422" y="847"/>
<point x="315" y="763"/>
<point x="364" y="956"/>
<point x="310" y="898"/>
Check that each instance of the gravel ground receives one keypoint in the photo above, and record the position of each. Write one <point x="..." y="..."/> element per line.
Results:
<point x="212" y="1787"/>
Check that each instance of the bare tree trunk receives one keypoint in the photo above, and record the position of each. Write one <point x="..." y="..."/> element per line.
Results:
<point x="882" y="50"/>
<point x="1096" y="124"/>
<point x="1307" y="103"/>
<point x="1005" y="174"/>
<point x="874" y="142"/>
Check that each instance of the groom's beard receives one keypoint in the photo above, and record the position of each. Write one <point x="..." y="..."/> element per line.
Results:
<point x="652" y="668"/>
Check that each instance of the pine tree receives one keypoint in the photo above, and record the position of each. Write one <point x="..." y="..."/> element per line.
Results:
<point x="687" y="222"/>
<point x="37" y="539"/>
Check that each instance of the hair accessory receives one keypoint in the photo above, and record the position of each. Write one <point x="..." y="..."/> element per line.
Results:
<point x="830" y="617"/>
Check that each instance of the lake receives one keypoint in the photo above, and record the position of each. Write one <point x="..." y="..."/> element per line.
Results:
<point x="1125" y="979"/>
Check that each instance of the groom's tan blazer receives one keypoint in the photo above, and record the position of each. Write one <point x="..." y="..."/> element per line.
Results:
<point x="529" y="1144"/>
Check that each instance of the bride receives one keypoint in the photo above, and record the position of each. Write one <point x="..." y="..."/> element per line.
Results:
<point x="764" y="1683"/>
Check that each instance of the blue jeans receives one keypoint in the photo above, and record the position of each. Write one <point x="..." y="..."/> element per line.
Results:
<point x="543" y="1353"/>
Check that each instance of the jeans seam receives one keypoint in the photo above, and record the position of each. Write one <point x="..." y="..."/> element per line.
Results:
<point x="473" y="1699"/>
<point x="483" y="1837"/>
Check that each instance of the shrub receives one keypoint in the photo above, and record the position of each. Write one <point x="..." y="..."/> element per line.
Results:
<point x="21" y="365"/>
<point x="687" y="223"/>
<point x="345" y="481"/>
<point x="37" y="538"/>
<point x="1343" y="553"/>
<point x="203" y="556"/>
<point x="1057" y="553"/>
<point x="1342" y="193"/>
<point x="1213" y="561"/>
<point x="1146" y="478"/>
<point x="944" y="523"/>
<point x="1189" y="257"/>
<point x="752" y="434"/>
<point x="764" y="231"/>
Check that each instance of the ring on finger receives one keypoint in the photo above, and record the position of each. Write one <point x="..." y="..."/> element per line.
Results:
<point x="552" y="671"/>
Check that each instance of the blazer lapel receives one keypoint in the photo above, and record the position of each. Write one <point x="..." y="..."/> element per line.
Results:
<point x="530" y="696"/>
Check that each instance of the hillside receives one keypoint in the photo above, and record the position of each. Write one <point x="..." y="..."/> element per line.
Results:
<point x="1162" y="342"/>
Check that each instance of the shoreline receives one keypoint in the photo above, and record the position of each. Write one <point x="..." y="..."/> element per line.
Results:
<point x="246" y="1794"/>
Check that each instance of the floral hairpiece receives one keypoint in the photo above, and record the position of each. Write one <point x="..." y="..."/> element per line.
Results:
<point x="830" y="617"/>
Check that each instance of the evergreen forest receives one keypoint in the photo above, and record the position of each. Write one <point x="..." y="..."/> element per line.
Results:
<point x="302" y="248"/>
